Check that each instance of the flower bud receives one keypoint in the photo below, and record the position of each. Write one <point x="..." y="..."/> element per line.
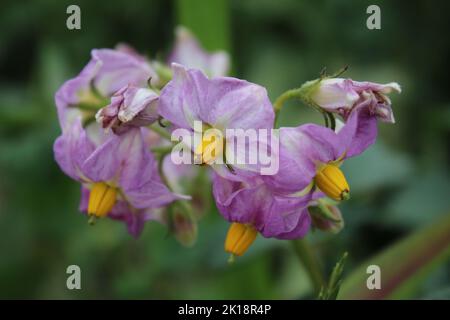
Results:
<point x="334" y="93"/>
<point x="326" y="218"/>
<point x="184" y="228"/>
<point x="331" y="181"/>
<point x="342" y="96"/>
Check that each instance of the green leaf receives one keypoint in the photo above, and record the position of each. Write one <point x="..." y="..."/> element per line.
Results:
<point x="331" y="291"/>
<point x="404" y="265"/>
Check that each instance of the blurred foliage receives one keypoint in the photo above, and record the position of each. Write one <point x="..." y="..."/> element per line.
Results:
<point x="210" y="22"/>
<point x="399" y="185"/>
<point x="403" y="266"/>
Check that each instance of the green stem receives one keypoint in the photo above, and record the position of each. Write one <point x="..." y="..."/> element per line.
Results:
<point x="90" y="106"/>
<point x="281" y="100"/>
<point x="332" y="120"/>
<point x="163" y="133"/>
<point x="301" y="93"/>
<point x="162" y="150"/>
<point x="311" y="263"/>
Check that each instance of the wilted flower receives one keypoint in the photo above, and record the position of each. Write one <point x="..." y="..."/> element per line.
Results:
<point x="107" y="72"/>
<point x="188" y="52"/>
<point x="342" y="96"/>
<point x="131" y="106"/>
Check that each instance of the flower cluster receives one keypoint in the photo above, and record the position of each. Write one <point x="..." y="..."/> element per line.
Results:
<point x="118" y="114"/>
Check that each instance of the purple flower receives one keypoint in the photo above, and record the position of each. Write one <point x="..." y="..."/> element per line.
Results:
<point x="219" y="104"/>
<point x="130" y="107"/>
<point x="342" y="96"/>
<point x="119" y="171"/>
<point x="107" y="72"/>
<point x="252" y="208"/>
<point x="188" y="52"/>
<point x="252" y="202"/>
<point x="310" y="155"/>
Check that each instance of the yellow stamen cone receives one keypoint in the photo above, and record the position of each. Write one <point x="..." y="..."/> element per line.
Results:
<point x="331" y="181"/>
<point x="210" y="148"/>
<point x="239" y="238"/>
<point x="101" y="199"/>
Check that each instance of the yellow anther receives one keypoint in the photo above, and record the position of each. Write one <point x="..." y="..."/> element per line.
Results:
<point x="211" y="146"/>
<point x="331" y="181"/>
<point x="239" y="238"/>
<point x="101" y="199"/>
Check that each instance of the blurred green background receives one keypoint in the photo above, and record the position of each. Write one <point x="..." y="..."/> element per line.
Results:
<point x="399" y="186"/>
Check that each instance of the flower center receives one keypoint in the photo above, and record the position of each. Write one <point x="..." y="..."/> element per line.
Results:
<point x="211" y="146"/>
<point x="101" y="199"/>
<point x="239" y="238"/>
<point x="331" y="181"/>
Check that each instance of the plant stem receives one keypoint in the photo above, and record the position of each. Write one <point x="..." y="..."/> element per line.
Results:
<point x="278" y="104"/>
<point x="162" y="150"/>
<point x="163" y="133"/>
<point x="298" y="93"/>
<point x="281" y="100"/>
<point x="302" y="95"/>
<point x="311" y="263"/>
<point x="164" y="73"/>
